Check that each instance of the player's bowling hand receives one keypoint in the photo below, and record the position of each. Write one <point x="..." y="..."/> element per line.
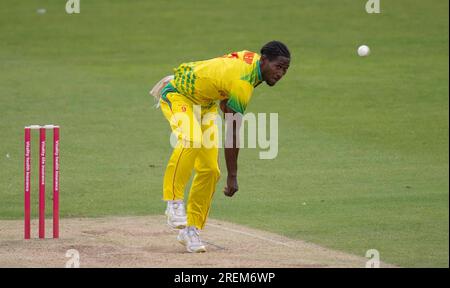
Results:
<point x="232" y="186"/>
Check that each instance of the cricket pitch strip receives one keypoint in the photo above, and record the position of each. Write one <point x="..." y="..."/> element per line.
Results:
<point x="146" y="241"/>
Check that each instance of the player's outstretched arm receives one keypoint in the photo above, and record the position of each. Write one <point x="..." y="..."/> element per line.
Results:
<point x="231" y="150"/>
<point x="231" y="155"/>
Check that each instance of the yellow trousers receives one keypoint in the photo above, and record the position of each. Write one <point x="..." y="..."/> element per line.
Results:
<point x="192" y="128"/>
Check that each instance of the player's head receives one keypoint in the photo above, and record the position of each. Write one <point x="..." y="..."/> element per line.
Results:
<point x="275" y="59"/>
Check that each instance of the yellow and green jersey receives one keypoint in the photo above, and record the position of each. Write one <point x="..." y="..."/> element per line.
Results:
<point x="232" y="76"/>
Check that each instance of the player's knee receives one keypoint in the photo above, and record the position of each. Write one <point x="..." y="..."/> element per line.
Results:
<point x="217" y="173"/>
<point x="214" y="172"/>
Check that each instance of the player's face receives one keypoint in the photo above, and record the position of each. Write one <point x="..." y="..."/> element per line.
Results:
<point x="273" y="71"/>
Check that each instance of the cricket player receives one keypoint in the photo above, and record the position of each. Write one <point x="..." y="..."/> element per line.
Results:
<point x="188" y="97"/>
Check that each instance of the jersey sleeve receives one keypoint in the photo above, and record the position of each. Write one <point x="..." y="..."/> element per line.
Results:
<point x="240" y="93"/>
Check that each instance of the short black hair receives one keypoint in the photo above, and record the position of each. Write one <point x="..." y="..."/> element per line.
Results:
<point x="273" y="49"/>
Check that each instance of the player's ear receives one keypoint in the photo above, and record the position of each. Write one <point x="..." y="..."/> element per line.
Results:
<point x="263" y="60"/>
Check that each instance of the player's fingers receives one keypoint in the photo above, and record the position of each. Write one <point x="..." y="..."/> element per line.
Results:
<point x="228" y="192"/>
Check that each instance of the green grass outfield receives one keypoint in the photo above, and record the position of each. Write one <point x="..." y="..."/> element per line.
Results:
<point x="363" y="142"/>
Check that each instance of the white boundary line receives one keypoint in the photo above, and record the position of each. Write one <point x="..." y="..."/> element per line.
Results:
<point x="251" y="235"/>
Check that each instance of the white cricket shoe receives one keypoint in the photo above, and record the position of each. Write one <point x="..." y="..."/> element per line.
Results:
<point x="176" y="214"/>
<point x="190" y="238"/>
